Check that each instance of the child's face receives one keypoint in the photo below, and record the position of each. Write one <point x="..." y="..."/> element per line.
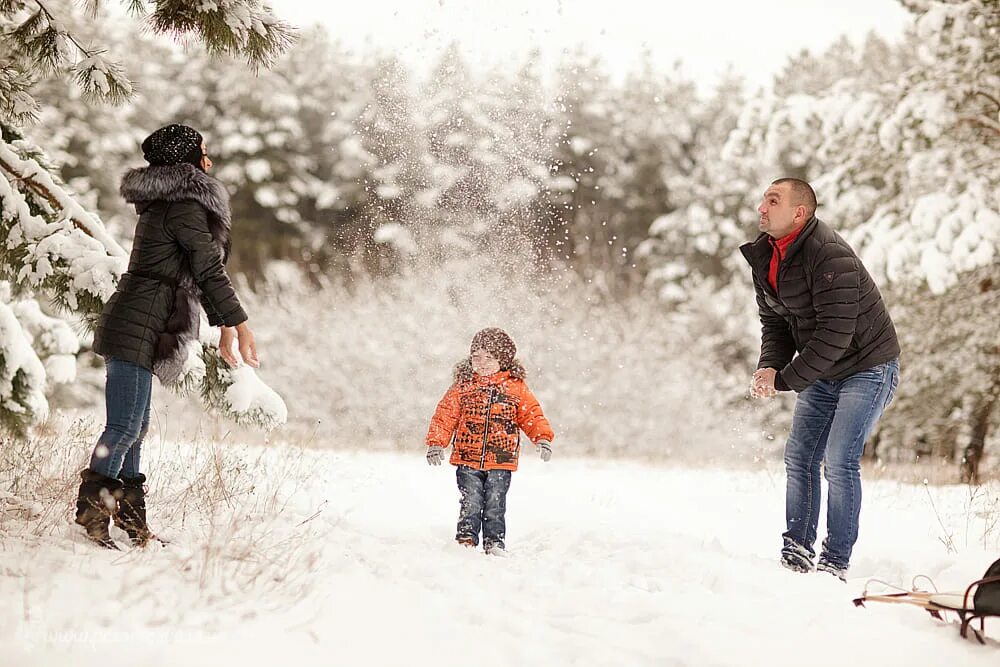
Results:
<point x="484" y="363"/>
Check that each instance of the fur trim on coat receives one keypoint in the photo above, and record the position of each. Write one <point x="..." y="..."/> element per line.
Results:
<point x="181" y="182"/>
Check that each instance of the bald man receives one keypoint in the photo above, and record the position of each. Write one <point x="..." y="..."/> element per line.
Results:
<point x="827" y="335"/>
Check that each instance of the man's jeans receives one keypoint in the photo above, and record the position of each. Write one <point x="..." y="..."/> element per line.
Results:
<point x="127" y="393"/>
<point x="832" y="420"/>
<point x="484" y="504"/>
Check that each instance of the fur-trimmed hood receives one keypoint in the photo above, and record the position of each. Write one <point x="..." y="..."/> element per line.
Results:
<point x="463" y="370"/>
<point x="181" y="182"/>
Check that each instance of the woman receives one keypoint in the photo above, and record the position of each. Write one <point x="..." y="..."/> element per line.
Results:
<point x="180" y="248"/>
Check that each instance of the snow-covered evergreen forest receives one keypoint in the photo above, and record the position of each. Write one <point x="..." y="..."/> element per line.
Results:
<point x="385" y="210"/>
<point x="613" y="205"/>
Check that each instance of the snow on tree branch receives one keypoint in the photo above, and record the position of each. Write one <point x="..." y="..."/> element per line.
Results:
<point x="236" y="392"/>
<point x="53" y="340"/>
<point x="16" y="102"/>
<point x="22" y="376"/>
<point x="49" y="242"/>
<point x="38" y="43"/>
<point x="233" y="27"/>
<point x="101" y="79"/>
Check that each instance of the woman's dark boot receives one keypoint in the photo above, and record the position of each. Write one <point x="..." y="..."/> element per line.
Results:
<point x="96" y="501"/>
<point x="131" y="515"/>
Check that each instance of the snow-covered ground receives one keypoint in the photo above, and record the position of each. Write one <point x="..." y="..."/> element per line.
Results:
<point x="289" y="556"/>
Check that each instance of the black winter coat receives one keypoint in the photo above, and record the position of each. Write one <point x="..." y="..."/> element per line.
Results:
<point x="827" y="308"/>
<point x="181" y="244"/>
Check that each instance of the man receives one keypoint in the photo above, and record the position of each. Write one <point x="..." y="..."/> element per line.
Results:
<point x="827" y="335"/>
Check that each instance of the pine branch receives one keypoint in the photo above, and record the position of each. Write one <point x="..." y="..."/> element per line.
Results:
<point x="9" y="7"/>
<point x="41" y="44"/>
<point x="44" y="44"/>
<point x="215" y="385"/>
<point x="14" y="416"/>
<point x="55" y="24"/>
<point x="981" y="121"/>
<point x="991" y="98"/>
<point x="16" y="103"/>
<point x="136" y="7"/>
<point x="37" y="185"/>
<point x="92" y="8"/>
<point x="233" y="27"/>
<point x="22" y="377"/>
<point x="101" y="79"/>
<point x="47" y="240"/>
<point x="49" y="49"/>
<point x="263" y="48"/>
<point x="29" y="28"/>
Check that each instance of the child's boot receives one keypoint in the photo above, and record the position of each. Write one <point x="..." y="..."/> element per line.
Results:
<point x="495" y="549"/>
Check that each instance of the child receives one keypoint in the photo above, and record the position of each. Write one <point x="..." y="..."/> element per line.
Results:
<point x="481" y="414"/>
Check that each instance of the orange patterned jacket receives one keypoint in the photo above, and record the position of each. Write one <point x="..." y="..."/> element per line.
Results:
<point x="481" y="417"/>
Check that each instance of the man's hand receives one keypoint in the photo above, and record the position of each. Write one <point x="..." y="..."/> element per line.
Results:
<point x="248" y="347"/>
<point x="762" y="385"/>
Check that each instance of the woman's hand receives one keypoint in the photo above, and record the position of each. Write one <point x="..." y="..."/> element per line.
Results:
<point x="226" y="346"/>
<point x="247" y="345"/>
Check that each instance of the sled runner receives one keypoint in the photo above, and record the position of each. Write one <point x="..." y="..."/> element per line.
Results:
<point x="981" y="600"/>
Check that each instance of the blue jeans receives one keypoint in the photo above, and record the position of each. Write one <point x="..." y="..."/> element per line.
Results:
<point x="832" y="420"/>
<point x="483" y="504"/>
<point x="128" y="394"/>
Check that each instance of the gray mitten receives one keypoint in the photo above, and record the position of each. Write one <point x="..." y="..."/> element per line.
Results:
<point x="544" y="449"/>
<point x="435" y="455"/>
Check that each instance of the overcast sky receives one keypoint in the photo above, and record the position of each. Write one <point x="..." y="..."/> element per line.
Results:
<point x="755" y="36"/>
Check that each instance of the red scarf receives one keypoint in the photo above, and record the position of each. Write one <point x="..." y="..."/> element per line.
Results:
<point x="778" y="249"/>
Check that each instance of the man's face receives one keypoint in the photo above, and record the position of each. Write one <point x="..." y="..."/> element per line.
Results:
<point x="779" y="217"/>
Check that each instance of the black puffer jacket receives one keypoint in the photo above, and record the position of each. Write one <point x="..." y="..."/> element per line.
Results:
<point x="827" y="308"/>
<point x="181" y="244"/>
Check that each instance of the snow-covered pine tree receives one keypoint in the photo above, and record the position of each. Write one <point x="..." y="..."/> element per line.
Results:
<point x="690" y="260"/>
<point x="518" y="114"/>
<point x="50" y="248"/>
<point x="903" y="151"/>
<point x="711" y="195"/>
<point x="331" y="87"/>
<point x="50" y="245"/>
<point x="393" y="149"/>
<point x="486" y="157"/>
<point x="942" y="230"/>
<point x="586" y="165"/>
<point x="455" y="140"/>
<point x="660" y="136"/>
<point x="93" y="144"/>
<point x="252" y="131"/>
